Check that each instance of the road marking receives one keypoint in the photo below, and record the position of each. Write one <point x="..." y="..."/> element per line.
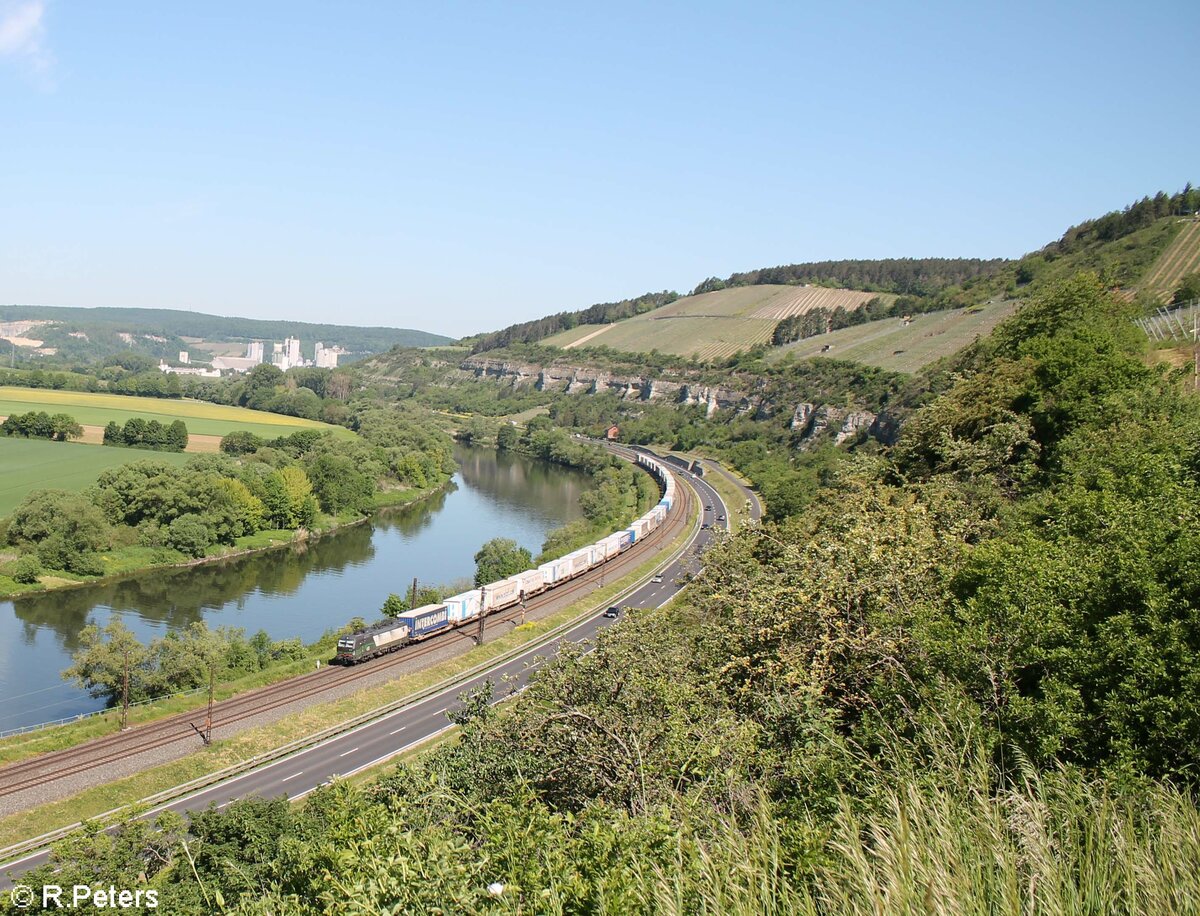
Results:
<point x="293" y="776"/>
<point x="400" y="729"/>
<point x="349" y="752"/>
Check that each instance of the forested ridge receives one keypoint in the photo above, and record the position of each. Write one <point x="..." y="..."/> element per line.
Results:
<point x="905" y="276"/>
<point x="600" y="313"/>
<point x="960" y="677"/>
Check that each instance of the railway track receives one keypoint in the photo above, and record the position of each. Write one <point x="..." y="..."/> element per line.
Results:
<point x="48" y="768"/>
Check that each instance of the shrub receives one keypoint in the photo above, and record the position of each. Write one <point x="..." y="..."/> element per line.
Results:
<point x="26" y="570"/>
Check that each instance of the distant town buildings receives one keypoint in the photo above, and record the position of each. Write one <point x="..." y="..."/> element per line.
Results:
<point x="285" y="355"/>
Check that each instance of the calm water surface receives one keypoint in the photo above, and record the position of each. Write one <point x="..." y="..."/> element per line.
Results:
<point x="293" y="592"/>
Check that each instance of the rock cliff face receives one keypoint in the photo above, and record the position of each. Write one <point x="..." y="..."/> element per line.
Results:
<point x="583" y="379"/>
<point x="811" y="422"/>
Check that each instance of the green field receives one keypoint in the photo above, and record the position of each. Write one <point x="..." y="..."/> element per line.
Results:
<point x="712" y="325"/>
<point x="35" y="464"/>
<point x="202" y="418"/>
<point x="890" y="344"/>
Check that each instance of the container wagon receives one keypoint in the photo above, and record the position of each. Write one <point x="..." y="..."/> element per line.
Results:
<point x="462" y="608"/>
<point x="425" y="620"/>
<point x="502" y="594"/>
<point x="532" y="583"/>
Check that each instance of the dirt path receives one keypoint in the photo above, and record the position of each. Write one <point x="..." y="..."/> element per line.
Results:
<point x="586" y="337"/>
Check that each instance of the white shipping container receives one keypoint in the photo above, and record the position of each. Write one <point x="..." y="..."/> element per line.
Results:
<point x="579" y="561"/>
<point x="555" y="571"/>
<point x="612" y="546"/>
<point x="531" y="582"/>
<point x="501" y="594"/>
<point x="463" y="607"/>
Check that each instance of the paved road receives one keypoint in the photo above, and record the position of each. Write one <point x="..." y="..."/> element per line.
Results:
<point x="396" y="732"/>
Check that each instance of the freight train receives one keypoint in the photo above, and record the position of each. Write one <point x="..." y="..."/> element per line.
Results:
<point x="432" y="619"/>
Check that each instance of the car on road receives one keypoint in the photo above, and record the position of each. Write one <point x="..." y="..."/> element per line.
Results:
<point x="705" y="526"/>
<point x="613" y="612"/>
<point x="708" y="508"/>
<point x="720" y="518"/>
<point x="656" y="579"/>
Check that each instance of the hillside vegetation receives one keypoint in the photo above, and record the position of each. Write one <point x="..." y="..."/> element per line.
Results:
<point x="960" y="678"/>
<point x="713" y="325"/>
<point x="900" y="345"/>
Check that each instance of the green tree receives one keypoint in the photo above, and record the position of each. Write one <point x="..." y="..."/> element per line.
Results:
<point x="500" y="558"/>
<point x="507" y="437"/>
<point x="65" y="427"/>
<point x="394" y="605"/>
<point x="339" y="484"/>
<point x="190" y="535"/>
<point x="110" y="663"/>
<point x="65" y="529"/>
<point x="176" y="438"/>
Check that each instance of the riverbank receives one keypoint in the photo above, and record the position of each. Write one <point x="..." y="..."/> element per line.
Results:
<point x="130" y="562"/>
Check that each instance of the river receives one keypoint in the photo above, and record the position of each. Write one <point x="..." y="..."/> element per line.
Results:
<point x="301" y="591"/>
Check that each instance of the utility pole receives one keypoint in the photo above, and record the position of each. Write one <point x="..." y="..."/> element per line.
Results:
<point x="125" y="693"/>
<point x="412" y="602"/>
<point x="212" y="689"/>
<point x="479" y="636"/>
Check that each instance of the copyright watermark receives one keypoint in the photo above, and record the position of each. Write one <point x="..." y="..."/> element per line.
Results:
<point x="70" y="898"/>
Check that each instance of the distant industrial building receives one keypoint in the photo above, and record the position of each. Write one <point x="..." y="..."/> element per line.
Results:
<point x="235" y="363"/>
<point x="188" y="370"/>
<point x="183" y="357"/>
<point x="326" y="357"/>
<point x="254" y="351"/>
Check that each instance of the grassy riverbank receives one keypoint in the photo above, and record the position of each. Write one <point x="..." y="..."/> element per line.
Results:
<point x="136" y="560"/>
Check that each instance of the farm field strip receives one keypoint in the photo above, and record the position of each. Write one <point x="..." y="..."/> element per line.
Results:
<point x="34" y="464"/>
<point x="96" y="409"/>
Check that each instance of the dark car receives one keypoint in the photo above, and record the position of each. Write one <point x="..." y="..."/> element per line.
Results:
<point x="720" y="518"/>
<point x="613" y="612"/>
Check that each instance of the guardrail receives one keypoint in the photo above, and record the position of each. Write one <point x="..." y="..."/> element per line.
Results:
<point x="15" y="852"/>
<point x="79" y="717"/>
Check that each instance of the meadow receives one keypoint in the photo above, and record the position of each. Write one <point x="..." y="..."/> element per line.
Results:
<point x="202" y="418"/>
<point x="37" y="464"/>
<point x="891" y="344"/>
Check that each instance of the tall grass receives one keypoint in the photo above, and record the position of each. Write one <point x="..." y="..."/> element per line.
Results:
<point x="1054" y="844"/>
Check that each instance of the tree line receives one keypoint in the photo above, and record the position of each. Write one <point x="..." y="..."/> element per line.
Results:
<point x="37" y="424"/>
<point x="600" y="313"/>
<point x="905" y="276"/>
<point x="148" y="434"/>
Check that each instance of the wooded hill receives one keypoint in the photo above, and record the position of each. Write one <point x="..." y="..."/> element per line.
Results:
<point x="86" y="334"/>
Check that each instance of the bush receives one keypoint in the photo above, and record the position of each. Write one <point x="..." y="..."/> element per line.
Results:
<point x="188" y="534"/>
<point x="26" y="570"/>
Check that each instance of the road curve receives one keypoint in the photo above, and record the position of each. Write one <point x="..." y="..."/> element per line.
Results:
<point x="381" y="739"/>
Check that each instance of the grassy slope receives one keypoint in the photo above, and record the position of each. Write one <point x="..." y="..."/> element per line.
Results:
<point x="93" y="409"/>
<point x="712" y="325"/>
<point x="888" y="344"/>
<point x="29" y="464"/>
<point x="1181" y="257"/>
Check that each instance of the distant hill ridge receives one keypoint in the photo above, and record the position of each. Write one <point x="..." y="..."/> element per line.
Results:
<point x="104" y="325"/>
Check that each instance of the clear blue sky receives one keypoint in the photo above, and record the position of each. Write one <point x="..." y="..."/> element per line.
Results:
<point x="458" y="167"/>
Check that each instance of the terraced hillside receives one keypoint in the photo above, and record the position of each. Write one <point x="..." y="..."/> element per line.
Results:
<point x="892" y="344"/>
<point x="1181" y="258"/>
<point x="712" y="325"/>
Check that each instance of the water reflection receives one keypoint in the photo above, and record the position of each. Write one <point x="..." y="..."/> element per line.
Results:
<point x="301" y="591"/>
